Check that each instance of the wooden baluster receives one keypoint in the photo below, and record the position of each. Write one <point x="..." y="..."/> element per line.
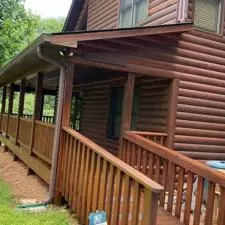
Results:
<point x="164" y="182"/>
<point x="180" y="189"/>
<point x="76" y="176"/>
<point x="110" y="189"/>
<point x="81" y="178"/>
<point x="139" y="150"/>
<point x="72" y="174"/>
<point x="126" y="193"/>
<point x="221" y="213"/>
<point x="187" y="209"/>
<point x="97" y="178"/>
<point x="210" y="203"/>
<point x="198" y="203"/>
<point x="170" y="187"/>
<point x="90" y="184"/>
<point x="116" y="198"/>
<point x="151" y="165"/>
<point x="157" y="168"/>
<point x="103" y="186"/>
<point x="65" y="164"/>
<point x="85" y="185"/>
<point x="144" y="161"/>
<point x="68" y="168"/>
<point x="135" y="193"/>
<point x="150" y="207"/>
<point x="133" y="155"/>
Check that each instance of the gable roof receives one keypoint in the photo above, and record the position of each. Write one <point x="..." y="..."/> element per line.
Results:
<point x="73" y="15"/>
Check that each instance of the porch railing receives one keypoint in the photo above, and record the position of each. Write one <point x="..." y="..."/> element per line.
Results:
<point x="159" y="138"/>
<point x="179" y="175"/>
<point x="92" y="179"/>
<point x="43" y="140"/>
<point x="4" y="122"/>
<point x="12" y="124"/>
<point x="25" y="131"/>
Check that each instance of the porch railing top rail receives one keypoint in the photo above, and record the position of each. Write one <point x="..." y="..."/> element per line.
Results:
<point x="147" y="133"/>
<point x="179" y="159"/>
<point x="130" y="171"/>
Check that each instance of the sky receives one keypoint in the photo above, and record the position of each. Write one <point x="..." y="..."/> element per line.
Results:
<point x="49" y="8"/>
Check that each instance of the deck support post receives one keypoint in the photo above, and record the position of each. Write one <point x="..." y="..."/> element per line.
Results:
<point x="62" y="119"/>
<point x="3" y="106"/>
<point x="10" y="106"/>
<point x="21" y="105"/>
<point x="127" y="108"/>
<point x="37" y="106"/>
<point x="172" y="113"/>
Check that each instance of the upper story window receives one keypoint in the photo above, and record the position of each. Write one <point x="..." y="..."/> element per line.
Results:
<point x="132" y="12"/>
<point x="208" y="15"/>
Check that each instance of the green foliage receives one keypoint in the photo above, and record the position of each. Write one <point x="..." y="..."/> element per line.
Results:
<point x="12" y="216"/>
<point x="50" y="25"/>
<point x="17" y="28"/>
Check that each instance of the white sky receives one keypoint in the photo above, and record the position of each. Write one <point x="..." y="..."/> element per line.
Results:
<point x="49" y="8"/>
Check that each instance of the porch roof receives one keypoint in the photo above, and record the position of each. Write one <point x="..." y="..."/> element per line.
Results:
<point x="28" y="61"/>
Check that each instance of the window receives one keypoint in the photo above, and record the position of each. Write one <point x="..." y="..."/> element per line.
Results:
<point x="116" y="111"/>
<point x="132" y="12"/>
<point x="208" y="15"/>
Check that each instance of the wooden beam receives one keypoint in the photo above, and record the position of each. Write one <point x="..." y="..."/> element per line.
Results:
<point x="3" y="99"/>
<point x="10" y="106"/>
<point x="21" y="105"/>
<point x="38" y="97"/>
<point x="67" y="94"/>
<point x="37" y="106"/>
<point x="127" y="107"/>
<point x="62" y="119"/>
<point x="172" y="113"/>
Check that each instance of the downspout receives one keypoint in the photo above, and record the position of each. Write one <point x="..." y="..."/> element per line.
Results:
<point x="58" y="122"/>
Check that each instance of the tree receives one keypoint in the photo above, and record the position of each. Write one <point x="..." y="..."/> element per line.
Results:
<point x="50" y="25"/>
<point x="17" y="28"/>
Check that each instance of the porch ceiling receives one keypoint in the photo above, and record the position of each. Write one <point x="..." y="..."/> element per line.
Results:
<point x="90" y="49"/>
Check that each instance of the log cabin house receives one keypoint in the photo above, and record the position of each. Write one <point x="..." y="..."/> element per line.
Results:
<point x="139" y="100"/>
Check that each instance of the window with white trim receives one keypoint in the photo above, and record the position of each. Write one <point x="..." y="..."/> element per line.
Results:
<point x="132" y="12"/>
<point x="207" y="15"/>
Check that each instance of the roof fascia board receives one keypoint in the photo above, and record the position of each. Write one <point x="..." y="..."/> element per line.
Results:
<point x="28" y="50"/>
<point x="58" y="38"/>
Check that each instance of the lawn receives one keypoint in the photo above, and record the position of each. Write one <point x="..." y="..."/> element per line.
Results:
<point x="12" y="216"/>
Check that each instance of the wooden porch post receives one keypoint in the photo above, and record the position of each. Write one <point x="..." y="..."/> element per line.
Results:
<point x="127" y="108"/>
<point x="64" y="105"/>
<point x="172" y="112"/>
<point x="10" y="106"/>
<point x="21" y="105"/>
<point x="37" y="106"/>
<point x="3" y="103"/>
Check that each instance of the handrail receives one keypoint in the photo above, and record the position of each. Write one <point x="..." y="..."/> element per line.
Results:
<point x="142" y="179"/>
<point x="177" y="158"/>
<point x="147" y="133"/>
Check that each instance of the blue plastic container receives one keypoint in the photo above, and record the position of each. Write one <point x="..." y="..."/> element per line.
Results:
<point x="98" y="218"/>
<point x="216" y="164"/>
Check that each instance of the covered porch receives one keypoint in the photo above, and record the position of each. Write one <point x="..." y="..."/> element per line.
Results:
<point x="143" y="173"/>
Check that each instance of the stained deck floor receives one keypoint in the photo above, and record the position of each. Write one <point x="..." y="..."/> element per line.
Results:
<point x="165" y="218"/>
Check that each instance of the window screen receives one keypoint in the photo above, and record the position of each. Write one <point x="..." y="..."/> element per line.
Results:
<point x="132" y="12"/>
<point x="207" y="15"/>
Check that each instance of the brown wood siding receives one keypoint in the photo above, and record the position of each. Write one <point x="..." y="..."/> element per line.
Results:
<point x="103" y="14"/>
<point x="198" y="60"/>
<point x="161" y="12"/>
<point x="153" y="108"/>
<point x="94" y="116"/>
<point x="82" y="17"/>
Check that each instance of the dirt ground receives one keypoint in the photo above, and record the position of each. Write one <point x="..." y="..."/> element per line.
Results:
<point x="15" y="174"/>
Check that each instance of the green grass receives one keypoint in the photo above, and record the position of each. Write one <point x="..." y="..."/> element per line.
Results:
<point x="9" y="215"/>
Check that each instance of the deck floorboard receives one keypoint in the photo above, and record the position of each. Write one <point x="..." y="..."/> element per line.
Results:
<point x="165" y="218"/>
